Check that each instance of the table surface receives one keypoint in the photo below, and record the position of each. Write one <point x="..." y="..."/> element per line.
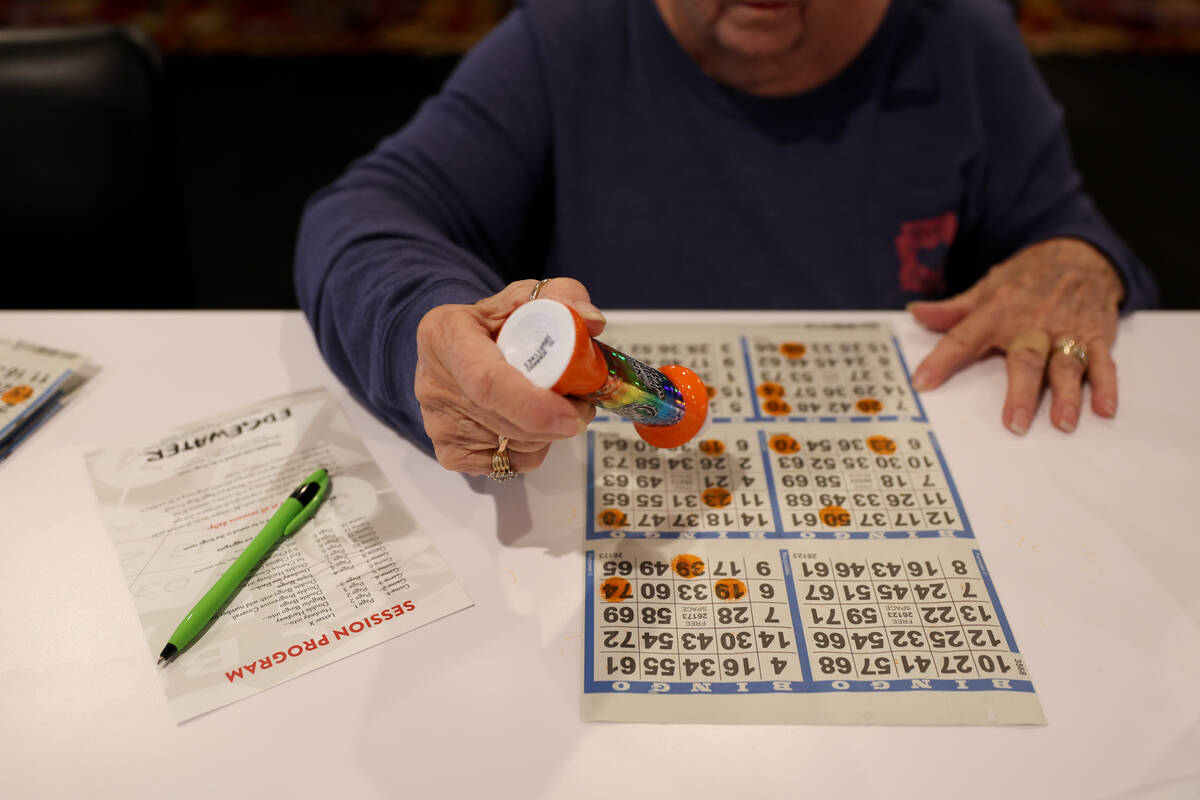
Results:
<point x="1091" y="539"/>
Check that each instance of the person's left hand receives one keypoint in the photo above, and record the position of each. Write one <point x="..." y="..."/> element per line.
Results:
<point x="1044" y="307"/>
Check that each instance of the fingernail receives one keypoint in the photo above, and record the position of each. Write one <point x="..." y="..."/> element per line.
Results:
<point x="1068" y="419"/>
<point x="1019" y="423"/>
<point x="1107" y="405"/>
<point x="589" y="312"/>
<point x="583" y="424"/>
<point x="920" y="380"/>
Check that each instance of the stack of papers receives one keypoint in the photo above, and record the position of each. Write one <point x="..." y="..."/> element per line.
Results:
<point x="35" y="382"/>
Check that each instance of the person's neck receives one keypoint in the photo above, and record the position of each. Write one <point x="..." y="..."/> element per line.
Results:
<point x="835" y="34"/>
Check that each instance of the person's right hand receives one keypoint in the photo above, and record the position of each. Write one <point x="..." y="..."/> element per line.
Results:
<point x="470" y="396"/>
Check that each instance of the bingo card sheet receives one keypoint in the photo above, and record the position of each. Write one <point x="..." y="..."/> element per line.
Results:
<point x="805" y="559"/>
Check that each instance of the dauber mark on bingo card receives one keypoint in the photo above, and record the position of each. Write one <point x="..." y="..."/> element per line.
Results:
<point x="783" y="444"/>
<point x="770" y="390"/>
<point x="716" y="497"/>
<point x="615" y="590"/>
<point x="686" y="565"/>
<point x="869" y="405"/>
<point x="792" y="350"/>
<point x="17" y="394"/>
<point x="612" y="518"/>
<point x="881" y="445"/>
<point x="712" y="447"/>
<point x="835" y="516"/>
<point x="729" y="589"/>
<point x="777" y="408"/>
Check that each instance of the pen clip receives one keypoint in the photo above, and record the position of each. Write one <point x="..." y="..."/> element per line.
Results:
<point x="311" y="500"/>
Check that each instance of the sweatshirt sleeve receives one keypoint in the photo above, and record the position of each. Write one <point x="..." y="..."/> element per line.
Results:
<point x="440" y="212"/>
<point x="1028" y="189"/>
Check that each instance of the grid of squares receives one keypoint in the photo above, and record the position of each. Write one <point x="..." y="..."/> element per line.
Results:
<point x="847" y="477"/>
<point x="828" y="373"/>
<point x="716" y="483"/>
<point x="913" y="616"/>
<point x="688" y="618"/>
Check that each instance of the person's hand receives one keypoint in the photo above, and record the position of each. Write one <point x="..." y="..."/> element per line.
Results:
<point x="471" y="397"/>
<point x="1044" y="307"/>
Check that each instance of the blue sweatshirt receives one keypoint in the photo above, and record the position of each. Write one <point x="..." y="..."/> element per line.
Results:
<point x="580" y="140"/>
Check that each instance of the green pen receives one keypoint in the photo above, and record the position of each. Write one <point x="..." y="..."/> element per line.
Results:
<point x="292" y="513"/>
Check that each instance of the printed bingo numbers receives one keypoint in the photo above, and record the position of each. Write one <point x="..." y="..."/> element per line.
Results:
<point x="805" y="559"/>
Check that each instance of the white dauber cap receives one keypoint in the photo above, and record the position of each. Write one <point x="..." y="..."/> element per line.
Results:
<point x="539" y="339"/>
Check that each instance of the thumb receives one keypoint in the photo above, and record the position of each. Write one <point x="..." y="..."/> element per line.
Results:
<point x="571" y="292"/>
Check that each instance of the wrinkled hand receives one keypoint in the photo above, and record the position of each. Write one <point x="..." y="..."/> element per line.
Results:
<point x="1031" y="306"/>
<point x="470" y="396"/>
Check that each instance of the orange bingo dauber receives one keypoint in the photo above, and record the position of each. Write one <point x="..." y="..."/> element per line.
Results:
<point x="549" y="343"/>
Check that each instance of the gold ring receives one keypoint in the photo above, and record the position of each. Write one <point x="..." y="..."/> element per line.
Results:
<point x="501" y="471"/>
<point x="1070" y="347"/>
<point x="537" y="287"/>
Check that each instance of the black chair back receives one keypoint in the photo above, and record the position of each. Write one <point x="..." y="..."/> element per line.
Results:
<point x="90" y="204"/>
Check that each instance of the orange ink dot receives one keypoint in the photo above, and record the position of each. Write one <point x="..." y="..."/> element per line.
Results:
<point x="612" y="518"/>
<point x="835" y="516"/>
<point x="793" y="349"/>
<point x="729" y="589"/>
<point x="17" y="394"/>
<point x="776" y="407"/>
<point x="881" y="445"/>
<point x="712" y="447"/>
<point x="768" y="389"/>
<point x="716" y="497"/>
<point x="712" y="391"/>
<point x="782" y="443"/>
<point x="686" y="565"/>
<point x="615" y="590"/>
<point x="869" y="405"/>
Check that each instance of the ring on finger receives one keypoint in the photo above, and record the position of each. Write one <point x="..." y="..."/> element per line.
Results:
<point x="537" y="288"/>
<point x="501" y="469"/>
<point x="1073" y="348"/>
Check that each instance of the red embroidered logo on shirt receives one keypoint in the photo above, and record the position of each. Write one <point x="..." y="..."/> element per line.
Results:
<point x="921" y="235"/>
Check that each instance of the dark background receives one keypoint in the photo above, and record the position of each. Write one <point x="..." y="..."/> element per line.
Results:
<point x="259" y="135"/>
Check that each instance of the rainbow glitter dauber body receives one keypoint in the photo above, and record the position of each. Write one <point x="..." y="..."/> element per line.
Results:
<point x="549" y="343"/>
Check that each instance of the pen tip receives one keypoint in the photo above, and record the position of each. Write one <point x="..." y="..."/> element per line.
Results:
<point x="167" y="653"/>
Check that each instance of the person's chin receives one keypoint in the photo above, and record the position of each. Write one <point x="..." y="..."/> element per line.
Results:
<point x="762" y="29"/>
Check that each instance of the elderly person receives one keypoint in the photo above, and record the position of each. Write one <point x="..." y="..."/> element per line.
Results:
<point x="715" y="154"/>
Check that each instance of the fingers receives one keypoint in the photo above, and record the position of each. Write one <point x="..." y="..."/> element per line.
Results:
<point x="523" y="457"/>
<point x="573" y="293"/>
<point x="470" y="396"/>
<point x="568" y="291"/>
<point x="962" y="345"/>
<point x="1102" y="374"/>
<point x="1026" y="364"/>
<point x="1065" y="373"/>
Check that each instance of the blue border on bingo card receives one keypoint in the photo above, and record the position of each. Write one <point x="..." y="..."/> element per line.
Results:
<point x="758" y="417"/>
<point x="589" y="621"/>
<point x="762" y="448"/>
<point x="590" y="487"/>
<point x="693" y="688"/>
<point x="968" y="532"/>
<point x="991" y="590"/>
<point x="797" y="624"/>
<point x="908" y="379"/>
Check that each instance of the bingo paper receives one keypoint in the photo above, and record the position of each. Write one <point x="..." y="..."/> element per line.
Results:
<point x="809" y="566"/>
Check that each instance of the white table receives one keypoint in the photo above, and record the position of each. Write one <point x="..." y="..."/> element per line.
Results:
<point x="1093" y="540"/>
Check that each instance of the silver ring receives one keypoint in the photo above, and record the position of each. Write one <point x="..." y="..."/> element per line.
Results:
<point x="537" y="287"/>
<point x="1070" y="347"/>
<point x="501" y="471"/>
